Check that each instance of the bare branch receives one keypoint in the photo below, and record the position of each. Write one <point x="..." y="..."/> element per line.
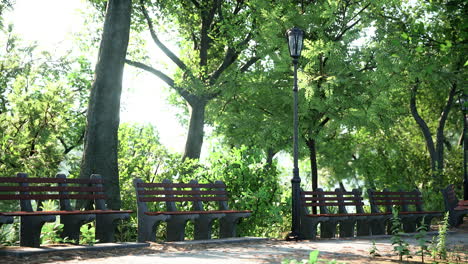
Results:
<point x="152" y="70"/>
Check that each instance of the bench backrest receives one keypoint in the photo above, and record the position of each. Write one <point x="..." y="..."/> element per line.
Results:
<point x="171" y="193"/>
<point x="450" y="198"/>
<point x="338" y="199"/>
<point x="24" y="189"/>
<point x="387" y="200"/>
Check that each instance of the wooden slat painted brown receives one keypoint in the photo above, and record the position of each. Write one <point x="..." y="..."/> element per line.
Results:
<point x="181" y="199"/>
<point x="181" y="185"/>
<point x="50" y="189"/>
<point x="48" y="180"/>
<point x="50" y="196"/>
<point x="187" y="192"/>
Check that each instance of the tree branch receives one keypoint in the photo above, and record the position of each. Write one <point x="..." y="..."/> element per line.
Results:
<point x="422" y="124"/>
<point x="152" y="70"/>
<point x="249" y="63"/>
<point x="156" y="40"/>
<point x="195" y="3"/>
<point x="186" y="95"/>
<point x="229" y="58"/>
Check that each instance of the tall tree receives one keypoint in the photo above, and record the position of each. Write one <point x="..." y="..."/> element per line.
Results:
<point x="100" y="144"/>
<point x="215" y="39"/>
<point x="423" y="50"/>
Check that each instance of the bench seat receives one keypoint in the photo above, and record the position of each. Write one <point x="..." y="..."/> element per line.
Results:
<point x="457" y="209"/>
<point x="60" y="190"/>
<point x="338" y="200"/>
<point x="410" y="210"/>
<point x="173" y="196"/>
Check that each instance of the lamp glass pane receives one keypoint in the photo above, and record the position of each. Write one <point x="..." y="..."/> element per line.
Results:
<point x="291" y="45"/>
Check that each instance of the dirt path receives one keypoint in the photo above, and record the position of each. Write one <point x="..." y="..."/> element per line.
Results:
<point x="351" y="251"/>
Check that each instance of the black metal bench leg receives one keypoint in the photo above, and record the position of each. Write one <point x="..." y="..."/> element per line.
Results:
<point x="347" y="228"/>
<point x="327" y="229"/>
<point x="228" y="225"/>
<point x="378" y="228"/>
<point x="175" y="230"/>
<point x="106" y="225"/>
<point x="362" y="228"/>
<point x="409" y="224"/>
<point x="204" y="226"/>
<point x="147" y="228"/>
<point x="72" y="225"/>
<point x="30" y="229"/>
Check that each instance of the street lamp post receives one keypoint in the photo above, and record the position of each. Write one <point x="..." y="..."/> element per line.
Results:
<point x="295" y="40"/>
<point x="464" y="102"/>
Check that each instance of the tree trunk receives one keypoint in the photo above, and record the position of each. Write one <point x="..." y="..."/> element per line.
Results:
<point x="436" y="151"/>
<point x="100" y="143"/>
<point x="194" y="141"/>
<point x="313" y="162"/>
<point x="313" y="166"/>
<point x="270" y="155"/>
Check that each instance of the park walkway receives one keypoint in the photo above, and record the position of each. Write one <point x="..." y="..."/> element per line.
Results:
<point x="264" y="251"/>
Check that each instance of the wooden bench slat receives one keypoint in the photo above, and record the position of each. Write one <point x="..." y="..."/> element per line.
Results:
<point x="74" y="212"/>
<point x="197" y="212"/>
<point x="181" y="199"/>
<point x="331" y="198"/>
<point x="48" y="180"/>
<point x="51" y="196"/>
<point x="395" y="193"/>
<point x="398" y="203"/>
<point x="396" y="198"/>
<point x="326" y="193"/>
<point x="186" y="192"/>
<point x="50" y="189"/>
<point x="332" y="204"/>
<point x="463" y="202"/>
<point x="181" y="185"/>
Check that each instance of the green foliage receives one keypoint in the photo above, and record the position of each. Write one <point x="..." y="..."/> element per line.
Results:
<point x="313" y="259"/>
<point x="421" y="239"/>
<point x="87" y="234"/>
<point x="374" y="251"/>
<point x="400" y="246"/>
<point x="9" y="234"/>
<point x="42" y="100"/>
<point x="439" y="246"/>
<point x="253" y="185"/>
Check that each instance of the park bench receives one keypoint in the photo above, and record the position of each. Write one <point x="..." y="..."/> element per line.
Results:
<point x="61" y="190"/>
<point x="333" y="211"/>
<point x="177" y="203"/>
<point x="410" y="210"/>
<point x="457" y="208"/>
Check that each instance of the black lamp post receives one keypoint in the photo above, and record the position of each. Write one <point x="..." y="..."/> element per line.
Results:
<point x="295" y="40"/>
<point x="464" y="107"/>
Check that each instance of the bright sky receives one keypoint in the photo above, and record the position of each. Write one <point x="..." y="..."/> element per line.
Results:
<point x="51" y="22"/>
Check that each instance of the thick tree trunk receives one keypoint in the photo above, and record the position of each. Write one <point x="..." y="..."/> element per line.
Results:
<point x="195" y="134"/>
<point x="100" y="143"/>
